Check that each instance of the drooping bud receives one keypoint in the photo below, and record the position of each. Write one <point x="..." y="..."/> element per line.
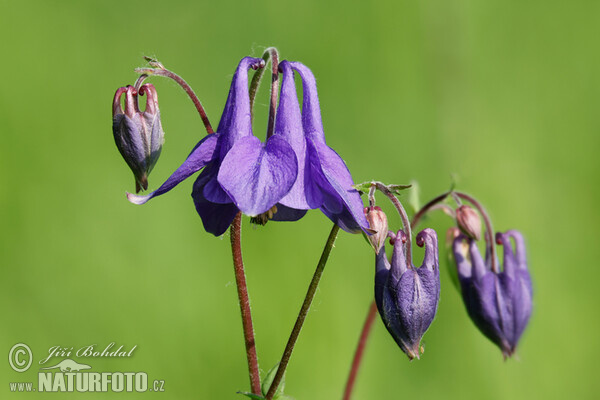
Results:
<point x="379" y="226"/>
<point x="407" y="297"/>
<point x="499" y="303"/>
<point x="138" y="135"/>
<point x="469" y="222"/>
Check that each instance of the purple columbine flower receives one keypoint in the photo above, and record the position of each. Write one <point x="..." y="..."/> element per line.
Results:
<point x="407" y="297"/>
<point x="499" y="303"/>
<point x="138" y="135"/>
<point x="323" y="181"/>
<point x="240" y="173"/>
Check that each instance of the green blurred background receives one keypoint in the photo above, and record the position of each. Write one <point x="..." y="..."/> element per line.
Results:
<point x="502" y="94"/>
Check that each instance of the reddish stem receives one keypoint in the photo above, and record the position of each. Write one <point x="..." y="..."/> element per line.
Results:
<point x="242" y="288"/>
<point x="362" y="343"/>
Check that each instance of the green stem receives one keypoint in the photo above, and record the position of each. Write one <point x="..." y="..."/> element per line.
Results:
<point x="310" y="294"/>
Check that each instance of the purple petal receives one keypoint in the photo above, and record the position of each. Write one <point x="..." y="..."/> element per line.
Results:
<point x="202" y="154"/>
<point x="428" y="238"/>
<point x="311" y="112"/>
<point x="236" y="120"/>
<point x="288" y="125"/>
<point x="216" y="218"/>
<point x="338" y="181"/>
<point x="256" y="177"/>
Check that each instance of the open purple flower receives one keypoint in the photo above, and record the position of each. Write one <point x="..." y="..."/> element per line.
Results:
<point x="323" y="181"/>
<point x="240" y="173"/>
<point x="292" y="172"/>
<point x="407" y="297"/>
<point x="499" y="303"/>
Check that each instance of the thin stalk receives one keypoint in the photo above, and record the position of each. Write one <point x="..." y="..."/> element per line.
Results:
<point x="270" y="54"/>
<point x="489" y="234"/>
<point x="310" y="294"/>
<point x="427" y="207"/>
<point x="162" y="71"/>
<point x="242" y="289"/>
<point x="360" y="348"/>
<point x="405" y="222"/>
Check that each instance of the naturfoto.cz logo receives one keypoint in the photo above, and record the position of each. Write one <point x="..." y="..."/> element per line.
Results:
<point x="69" y="375"/>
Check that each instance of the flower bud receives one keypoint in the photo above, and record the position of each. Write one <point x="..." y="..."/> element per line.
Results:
<point x="379" y="226"/>
<point x="407" y="297"/>
<point x="138" y="135"/>
<point x="469" y="222"/>
<point x="499" y="303"/>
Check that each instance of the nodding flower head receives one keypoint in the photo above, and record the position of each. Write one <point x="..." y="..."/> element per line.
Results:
<point x="407" y="297"/>
<point x="239" y="172"/>
<point x="499" y="303"/>
<point x="138" y="135"/>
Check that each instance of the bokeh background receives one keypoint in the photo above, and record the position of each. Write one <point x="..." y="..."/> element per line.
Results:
<point x="499" y="96"/>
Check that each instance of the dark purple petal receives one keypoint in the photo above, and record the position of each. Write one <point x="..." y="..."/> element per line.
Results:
<point x="382" y="271"/>
<point x="202" y="154"/>
<point x="460" y="248"/>
<point x="398" y="266"/>
<point x="406" y="297"/>
<point x="256" y="177"/>
<point x="428" y="238"/>
<point x="236" y="120"/>
<point x="216" y="218"/>
<point x="287" y="214"/>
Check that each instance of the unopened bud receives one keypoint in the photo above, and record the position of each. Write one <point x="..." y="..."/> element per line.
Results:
<point x="138" y="135"/>
<point x="469" y="222"/>
<point x="379" y="225"/>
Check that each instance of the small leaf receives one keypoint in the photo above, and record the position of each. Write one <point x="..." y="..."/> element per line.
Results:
<point x="268" y="381"/>
<point x="363" y="187"/>
<point x="397" y="189"/>
<point x="252" y="395"/>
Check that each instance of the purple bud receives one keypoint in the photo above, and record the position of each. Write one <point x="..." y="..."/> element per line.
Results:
<point x="138" y="135"/>
<point x="499" y="303"/>
<point x="469" y="222"/>
<point x="379" y="225"/>
<point x="407" y="297"/>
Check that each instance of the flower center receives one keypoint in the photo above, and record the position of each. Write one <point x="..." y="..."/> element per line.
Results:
<point x="263" y="218"/>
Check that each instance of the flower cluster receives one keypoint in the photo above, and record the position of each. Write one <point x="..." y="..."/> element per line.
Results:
<point x="293" y="171"/>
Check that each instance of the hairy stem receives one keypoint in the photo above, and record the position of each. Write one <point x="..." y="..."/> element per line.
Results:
<point x="405" y="222"/>
<point x="162" y="71"/>
<point x="310" y="294"/>
<point x="360" y="348"/>
<point x="270" y="54"/>
<point x="242" y="289"/>
<point x="489" y="234"/>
